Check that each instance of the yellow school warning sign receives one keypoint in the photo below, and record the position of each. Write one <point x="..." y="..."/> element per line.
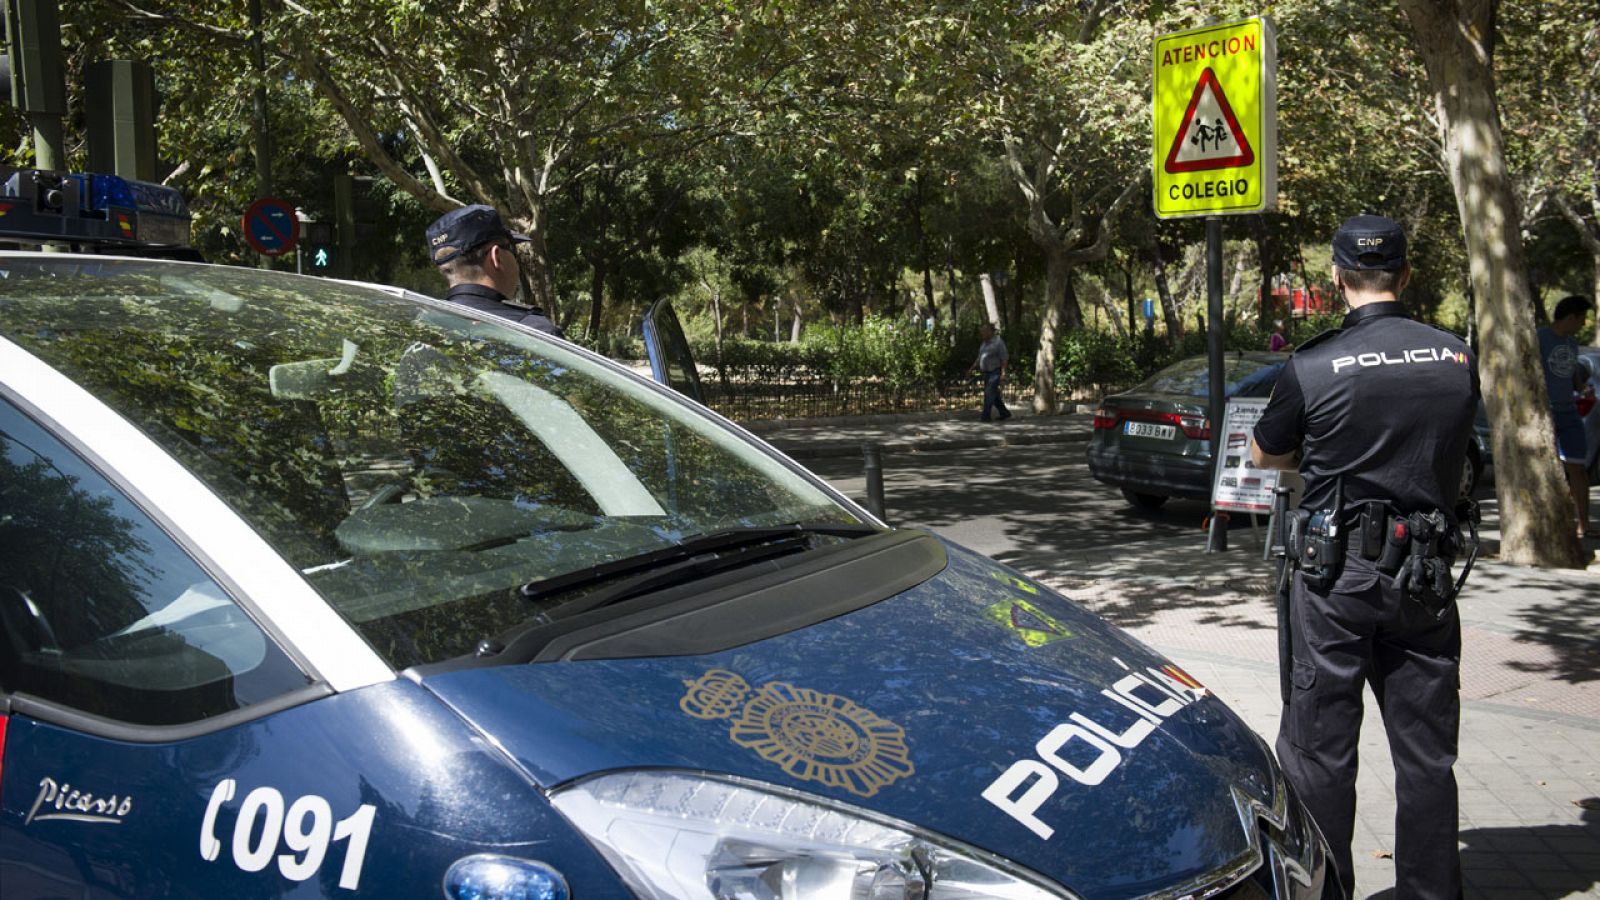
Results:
<point x="1216" y="120"/>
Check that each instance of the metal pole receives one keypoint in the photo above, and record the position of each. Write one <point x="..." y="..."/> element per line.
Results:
<point x="47" y="141"/>
<point x="873" y="467"/>
<point x="1217" y="539"/>
<point x="263" y="138"/>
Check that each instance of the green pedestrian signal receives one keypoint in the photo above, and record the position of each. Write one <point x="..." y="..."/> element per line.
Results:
<point x="321" y="259"/>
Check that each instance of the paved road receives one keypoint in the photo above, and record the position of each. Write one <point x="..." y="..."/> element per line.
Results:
<point x="1530" y="751"/>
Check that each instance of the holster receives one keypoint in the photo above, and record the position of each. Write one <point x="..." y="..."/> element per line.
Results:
<point x="1417" y="550"/>
<point x="1315" y="544"/>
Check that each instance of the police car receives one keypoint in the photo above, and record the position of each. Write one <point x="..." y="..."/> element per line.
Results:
<point x="314" y="589"/>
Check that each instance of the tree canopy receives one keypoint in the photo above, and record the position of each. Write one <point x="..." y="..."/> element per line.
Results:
<point x="786" y="164"/>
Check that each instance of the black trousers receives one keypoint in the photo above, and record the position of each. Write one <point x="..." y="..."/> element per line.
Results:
<point x="1361" y="631"/>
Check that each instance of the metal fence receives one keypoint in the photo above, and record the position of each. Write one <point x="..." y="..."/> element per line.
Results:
<point x="754" y="401"/>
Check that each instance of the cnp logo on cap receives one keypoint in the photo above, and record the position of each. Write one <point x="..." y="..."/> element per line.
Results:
<point x="460" y="230"/>
<point x="1370" y="242"/>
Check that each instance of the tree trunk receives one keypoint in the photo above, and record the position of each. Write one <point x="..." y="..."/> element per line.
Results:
<point x="1115" y="315"/>
<point x="1057" y="275"/>
<point x="1267" y="256"/>
<point x="1014" y="291"/>
<point x="1455" y="38"/>
<point x="535" y="258"/>
<point x="1127" y="291"/>
<point x="716" y="312"/>
<point x="950" y="282"/>
<point x="991" y="305"/>
<point x="1236" y="284"/>
<point x="597" y="287"/>
<point x="922" y="254"/>
<point x="1071" y="309"/>
<point x="795" y="326"/>
<point x="716" y="316"/>
<point x="1169" y="306"/>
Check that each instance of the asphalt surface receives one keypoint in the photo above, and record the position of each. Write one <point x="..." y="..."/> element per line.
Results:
<point x="1019" y="491"/>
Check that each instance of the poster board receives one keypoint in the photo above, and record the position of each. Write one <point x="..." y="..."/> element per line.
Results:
<point x="1236" y="484"/>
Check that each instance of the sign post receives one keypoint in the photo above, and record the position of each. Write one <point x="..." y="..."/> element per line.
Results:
<point x="1215" y="154"/>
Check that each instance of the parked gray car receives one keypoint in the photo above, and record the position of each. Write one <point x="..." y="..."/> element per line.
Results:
<point x="1154" y="442"/>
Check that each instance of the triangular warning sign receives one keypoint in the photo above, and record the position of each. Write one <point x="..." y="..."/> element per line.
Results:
<point x="1210" y="136"/>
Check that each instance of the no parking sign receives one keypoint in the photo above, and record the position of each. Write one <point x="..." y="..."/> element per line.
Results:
<point x="271" y="227"/>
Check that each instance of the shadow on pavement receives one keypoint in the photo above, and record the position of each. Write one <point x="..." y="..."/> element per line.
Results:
<point x="1086" y="536"/>
<point x="1555" y="860"/>
<point x="1567" y="624"/>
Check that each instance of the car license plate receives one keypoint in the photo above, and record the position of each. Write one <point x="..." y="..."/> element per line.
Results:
<point x="1150" y="430"/>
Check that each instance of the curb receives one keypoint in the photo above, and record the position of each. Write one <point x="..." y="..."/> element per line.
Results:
<point x="769" y="426"/>
<point x="801" y="449"/>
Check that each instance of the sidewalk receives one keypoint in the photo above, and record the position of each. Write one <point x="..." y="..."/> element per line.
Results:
<point x="914" y="433"/>
<point x="1529" y="764"/>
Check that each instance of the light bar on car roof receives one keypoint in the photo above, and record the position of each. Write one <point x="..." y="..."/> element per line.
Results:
<point x="90" y="209"/>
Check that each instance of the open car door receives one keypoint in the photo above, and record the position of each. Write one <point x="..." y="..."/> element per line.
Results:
<point x="671" y="361"/>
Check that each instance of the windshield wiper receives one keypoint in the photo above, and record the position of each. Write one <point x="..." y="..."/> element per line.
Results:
<point x="710" y="543"/>
<point x="681" y="572"/>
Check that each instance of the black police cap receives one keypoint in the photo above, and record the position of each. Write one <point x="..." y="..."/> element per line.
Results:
<point x="1370" y="242"/>
<point x="460" y="230"/>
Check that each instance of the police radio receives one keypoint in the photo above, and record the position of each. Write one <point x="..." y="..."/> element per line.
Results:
<point x="1321" y="543"/>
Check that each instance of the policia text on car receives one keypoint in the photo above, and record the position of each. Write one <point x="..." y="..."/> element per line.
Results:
<point x="1376" y="416"/>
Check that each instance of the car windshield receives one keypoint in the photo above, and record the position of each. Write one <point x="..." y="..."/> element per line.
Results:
<point x="416" y="465"/>
<point x="1244" y="377"/>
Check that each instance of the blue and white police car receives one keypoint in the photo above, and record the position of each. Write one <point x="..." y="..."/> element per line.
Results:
<point x="312" y="589"/>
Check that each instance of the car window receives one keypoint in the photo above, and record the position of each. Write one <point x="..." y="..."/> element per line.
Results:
<point x="416" y="464"/>
<point x="102" y="611"/>
<point x="1244" y="377"/>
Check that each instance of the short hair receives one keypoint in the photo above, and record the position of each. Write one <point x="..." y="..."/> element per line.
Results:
<point x="1381" y="281"/>
<point x="466" y="265"/>
<point x="1572" y="305"/>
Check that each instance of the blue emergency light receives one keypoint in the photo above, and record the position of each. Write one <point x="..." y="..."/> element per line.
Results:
<point x="39" y="206"/>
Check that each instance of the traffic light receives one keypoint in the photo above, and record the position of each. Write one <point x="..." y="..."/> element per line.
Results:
<point x="321" y="252"/>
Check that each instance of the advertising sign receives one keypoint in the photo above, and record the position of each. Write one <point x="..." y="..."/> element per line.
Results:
<point x="1237" y="485"/>
<point x="1216" y="120"/>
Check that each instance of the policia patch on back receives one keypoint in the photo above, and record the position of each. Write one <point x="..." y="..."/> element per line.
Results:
<point x="1385" y="401"/>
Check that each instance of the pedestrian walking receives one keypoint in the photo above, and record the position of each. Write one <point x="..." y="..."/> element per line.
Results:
<point x="474" y="250"/>
<point x="1565" y="380"/>
<point x="991" y="362"/>
<point x="1376" y="416"/>
<point x="1279" y="341"/>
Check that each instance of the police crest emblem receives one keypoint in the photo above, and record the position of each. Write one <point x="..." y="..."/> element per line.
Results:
<point x="811" y="735"/>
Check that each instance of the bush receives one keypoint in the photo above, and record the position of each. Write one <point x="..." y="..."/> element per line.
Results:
<point x="897" y="353"/>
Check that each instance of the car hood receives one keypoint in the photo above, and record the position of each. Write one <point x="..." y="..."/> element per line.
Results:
<point x="975" y="683"/>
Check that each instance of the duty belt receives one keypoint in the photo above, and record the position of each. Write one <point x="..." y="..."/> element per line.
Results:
<point x="1416" y="549"/>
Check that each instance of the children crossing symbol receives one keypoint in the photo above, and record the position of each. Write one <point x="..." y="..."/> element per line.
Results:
<point x="1214" y="120"/>
<point x="1210" y="136"/>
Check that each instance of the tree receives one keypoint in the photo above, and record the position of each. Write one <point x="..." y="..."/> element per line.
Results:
<point x="1456" y="39"/>
<point x="1551" y="101"/>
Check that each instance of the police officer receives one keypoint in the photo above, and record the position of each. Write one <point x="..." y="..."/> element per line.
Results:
<point x="474" y="251"/>
<point x="1379" y="410"/>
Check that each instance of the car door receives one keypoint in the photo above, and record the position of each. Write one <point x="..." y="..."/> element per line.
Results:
<point x="157" y="741"/>
<point x="122" y="666"/>
<point x="671" y="360"/>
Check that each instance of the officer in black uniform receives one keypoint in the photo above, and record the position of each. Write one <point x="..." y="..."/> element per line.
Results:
<point x="473" y="249"/>
<point x="1376" y="415"/>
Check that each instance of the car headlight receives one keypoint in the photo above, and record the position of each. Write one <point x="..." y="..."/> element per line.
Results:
<point x="675" y="836"/>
